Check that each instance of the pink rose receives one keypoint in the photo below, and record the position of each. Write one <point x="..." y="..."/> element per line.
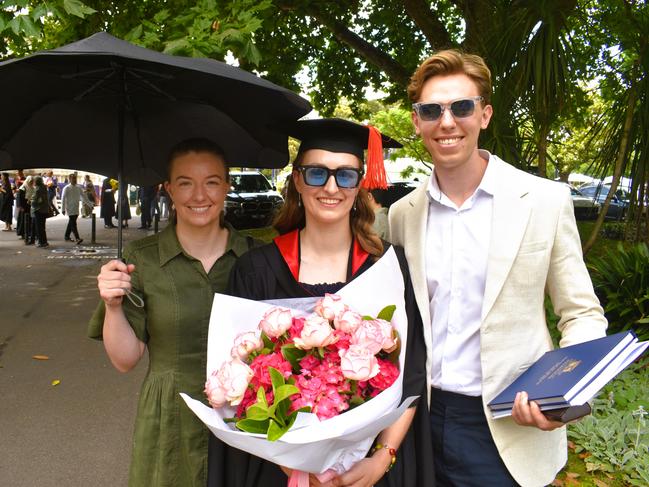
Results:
<point x="245" y="343"/>
<point x="375" y="335"/>
<point x="358" y="363"/>
<point x="229" y="383"/>
<point x="347" y="321"/>
<point x="330" y="306"/>
<point x="276" y="321"/>
<point x="316" y="333"/>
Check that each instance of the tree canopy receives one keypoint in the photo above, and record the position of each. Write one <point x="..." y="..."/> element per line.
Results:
<point x="560" y="67"/>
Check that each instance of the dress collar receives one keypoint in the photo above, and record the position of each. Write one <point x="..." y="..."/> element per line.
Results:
<point x="169" y="246"/>
<point x="289" y="247"/>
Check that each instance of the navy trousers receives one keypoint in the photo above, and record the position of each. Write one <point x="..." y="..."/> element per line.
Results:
<point x="465" y="454"/>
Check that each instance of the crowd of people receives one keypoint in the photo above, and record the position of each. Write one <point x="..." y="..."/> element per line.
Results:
<point x="30" y="200"/>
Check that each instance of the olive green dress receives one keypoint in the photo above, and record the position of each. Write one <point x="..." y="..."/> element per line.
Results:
<point x="170" y="443"/>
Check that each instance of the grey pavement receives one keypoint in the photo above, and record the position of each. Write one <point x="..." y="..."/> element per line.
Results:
<point x="76" y="433"/>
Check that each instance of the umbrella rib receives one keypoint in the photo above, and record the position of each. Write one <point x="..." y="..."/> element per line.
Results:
<point x="94" y="86"/>
<point x="150" y="84"/>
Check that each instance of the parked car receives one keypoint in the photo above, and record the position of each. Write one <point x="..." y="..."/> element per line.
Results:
<point x="252" y="200"/>
<point x="585" y="207"/>
<point x="598" y="192"/>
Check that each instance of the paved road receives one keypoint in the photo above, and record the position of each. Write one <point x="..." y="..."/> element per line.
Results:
<point x="77" y="433"/>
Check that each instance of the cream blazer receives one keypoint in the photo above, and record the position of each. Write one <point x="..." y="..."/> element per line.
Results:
<point x="534" y="250"/>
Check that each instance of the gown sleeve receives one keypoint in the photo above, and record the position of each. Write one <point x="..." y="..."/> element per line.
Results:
<point x="414" y="465"/>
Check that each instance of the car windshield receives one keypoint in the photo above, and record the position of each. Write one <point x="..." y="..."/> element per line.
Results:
<point x="249" y="183"/>
<point x="592" y="190"/>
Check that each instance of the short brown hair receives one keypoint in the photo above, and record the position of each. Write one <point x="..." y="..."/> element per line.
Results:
<point x="448" y="62"/>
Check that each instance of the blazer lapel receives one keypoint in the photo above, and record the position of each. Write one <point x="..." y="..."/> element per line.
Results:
<point x="511" y="213"/>
<point x="415" y="224"/>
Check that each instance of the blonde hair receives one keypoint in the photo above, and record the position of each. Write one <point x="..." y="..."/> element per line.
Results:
<point x="448" y="62"/>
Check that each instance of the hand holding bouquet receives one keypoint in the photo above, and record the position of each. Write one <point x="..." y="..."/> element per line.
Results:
<point x="325" y="363"/>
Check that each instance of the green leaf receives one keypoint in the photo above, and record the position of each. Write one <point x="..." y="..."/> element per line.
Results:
<point x="77" y="8"/>
<point x="252" y="426"/>
<point x="176" y="46"/>
<point x="284" y="392"/>
<point x="276" y="378"/>
<point x="28" y="27"/>
<point x="257" y="411"/>
<point x="268" y="343"/>
<point x="134" y="34"/>
<point x="275" y="431"/>
<point x="261" y="396"/>
<point x="387" y="313"/>
<point x="39" y="12"/>
<point x="293" y="355"/>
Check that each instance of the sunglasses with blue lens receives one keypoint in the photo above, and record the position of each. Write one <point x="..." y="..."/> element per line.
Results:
<point x="462" y="108"/>
<point x="346" y="177"/>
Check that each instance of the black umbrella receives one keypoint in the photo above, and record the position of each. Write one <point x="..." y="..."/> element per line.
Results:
<point x="104" y="105"/>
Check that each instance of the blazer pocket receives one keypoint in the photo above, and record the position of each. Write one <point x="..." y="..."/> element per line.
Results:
<point x="532" y="247"/>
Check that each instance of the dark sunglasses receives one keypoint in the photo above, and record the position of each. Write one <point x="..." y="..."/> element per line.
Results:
<point x="461" y="108"/>
<point x="346" y="177"/>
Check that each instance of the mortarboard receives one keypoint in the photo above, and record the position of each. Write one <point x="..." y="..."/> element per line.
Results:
<point x="338" y="135"/>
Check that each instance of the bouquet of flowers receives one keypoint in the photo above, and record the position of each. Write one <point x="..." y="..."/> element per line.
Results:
<point x="297" y="362"/>
<point x="327" y="362"/>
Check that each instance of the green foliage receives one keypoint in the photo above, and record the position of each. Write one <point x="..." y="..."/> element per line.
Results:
<point x="621" y="281"/>
<point x="616" y="435"/>
<point x="273" y="420"/>
<point x="613" y="231"/>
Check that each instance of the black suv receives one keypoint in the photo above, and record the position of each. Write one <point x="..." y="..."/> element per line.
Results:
<point x="252" y="201"/>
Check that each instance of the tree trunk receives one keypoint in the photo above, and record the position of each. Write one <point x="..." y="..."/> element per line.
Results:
<point x="619" y="163"/>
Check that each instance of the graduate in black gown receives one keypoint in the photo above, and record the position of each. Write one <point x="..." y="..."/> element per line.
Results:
<point x="326" y="240"/>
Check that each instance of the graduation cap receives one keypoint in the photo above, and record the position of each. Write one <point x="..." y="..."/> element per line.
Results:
<point x="338" y="135"/>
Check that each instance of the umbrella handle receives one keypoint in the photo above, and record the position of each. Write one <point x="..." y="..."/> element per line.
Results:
<point x="134" y="298"/>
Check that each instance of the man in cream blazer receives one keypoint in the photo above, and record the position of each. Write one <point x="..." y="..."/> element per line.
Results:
<point x="485" y="243"/>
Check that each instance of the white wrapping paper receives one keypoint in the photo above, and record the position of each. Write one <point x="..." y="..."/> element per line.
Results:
<point x="312" y="445"/>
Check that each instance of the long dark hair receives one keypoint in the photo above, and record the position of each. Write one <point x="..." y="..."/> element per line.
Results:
<point x="291" y="216"/>
<point x="196" y="144"/>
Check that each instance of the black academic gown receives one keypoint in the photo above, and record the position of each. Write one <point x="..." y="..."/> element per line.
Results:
<point x="267" y="272"/>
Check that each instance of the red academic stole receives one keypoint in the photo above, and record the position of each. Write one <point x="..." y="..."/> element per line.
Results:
<point x="289" y="246"/>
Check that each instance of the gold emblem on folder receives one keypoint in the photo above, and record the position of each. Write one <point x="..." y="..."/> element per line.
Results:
<point x="570" y="365"/>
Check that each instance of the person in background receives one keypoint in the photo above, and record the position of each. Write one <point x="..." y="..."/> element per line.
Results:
<point x="6" y="202"/>
<point x="486" y="243"/>
<point x="163" y="202"/>
<point x="40" y="210"/>
<point x="376" y="198"/>
<point x="146" y="195"/>
<point x="70" y="198"/>
<point x="175" y="273"/>
<point x="107" y="204"/>
<point x="24" y="219"/>
<point x="126" y="208"/>
<point x="90" y="201"/>
<point x="52" y="184"/>
<point x="326" y="240"/>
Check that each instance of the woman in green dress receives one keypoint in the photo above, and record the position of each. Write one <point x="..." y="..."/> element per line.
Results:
<point x="175" y="273"/>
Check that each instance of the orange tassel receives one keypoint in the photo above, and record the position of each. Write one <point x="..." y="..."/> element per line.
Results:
<point x="375" y="177"/>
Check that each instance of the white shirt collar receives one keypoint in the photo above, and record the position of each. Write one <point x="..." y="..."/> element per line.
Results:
<point x="488" y="185"/>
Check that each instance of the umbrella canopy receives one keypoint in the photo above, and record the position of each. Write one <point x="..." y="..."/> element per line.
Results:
<point x="107" y="106"/>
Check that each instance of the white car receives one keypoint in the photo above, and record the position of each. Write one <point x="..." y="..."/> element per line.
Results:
<point x="585" y="207"/>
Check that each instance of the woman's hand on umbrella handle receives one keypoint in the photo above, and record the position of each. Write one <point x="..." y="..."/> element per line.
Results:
<point x="114" y="282"/>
